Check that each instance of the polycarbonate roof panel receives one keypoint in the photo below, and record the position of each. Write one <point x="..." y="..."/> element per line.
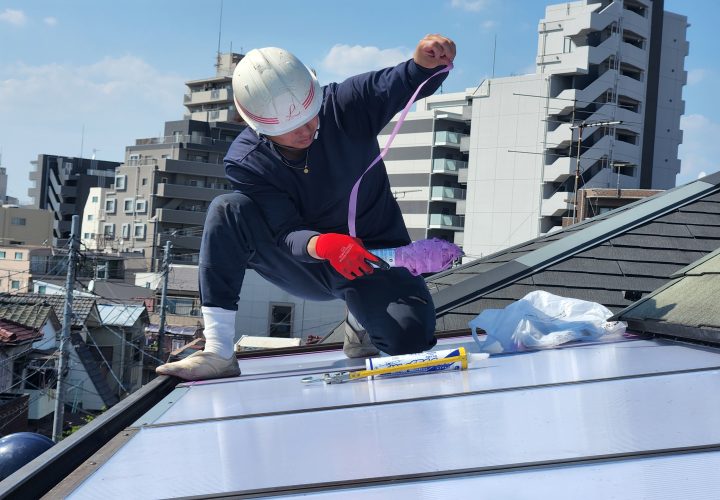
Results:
<point x="689" y="477"/>
<point x="241" y="442"/>
<point x="243" y="397"/>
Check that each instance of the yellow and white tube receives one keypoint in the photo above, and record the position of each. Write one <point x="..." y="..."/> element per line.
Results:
<point x="423" y="362"/>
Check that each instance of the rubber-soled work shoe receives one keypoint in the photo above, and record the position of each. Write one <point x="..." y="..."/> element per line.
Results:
<point x="201" y="366"/>
<point x="357" y="343"/>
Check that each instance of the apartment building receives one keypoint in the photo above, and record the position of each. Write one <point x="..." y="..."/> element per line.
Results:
<point x="25" y="226"/>
<point x="62" y="184"/>
<point x="211" y="99"/>
<point x="163" y="189"/>
<point x="427" y="165"/>
<point x="613" y="70"/>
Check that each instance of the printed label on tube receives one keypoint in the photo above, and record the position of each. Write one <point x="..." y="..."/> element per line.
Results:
<point x="413" y="360"/>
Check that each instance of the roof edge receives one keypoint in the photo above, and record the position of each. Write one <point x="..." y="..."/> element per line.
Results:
<point x="47" y="470"/>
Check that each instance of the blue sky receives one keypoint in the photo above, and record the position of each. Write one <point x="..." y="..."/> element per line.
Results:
<point x="118" y="68"/>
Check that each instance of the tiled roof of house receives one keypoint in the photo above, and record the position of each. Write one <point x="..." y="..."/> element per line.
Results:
<point x="29" y="315"/>
<point x="84" y="308"/>
<point x="12" y="333"/>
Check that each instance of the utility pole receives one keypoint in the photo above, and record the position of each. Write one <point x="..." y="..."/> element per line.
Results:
<point x="163" y="299"/>
<point x="59" y="414"/>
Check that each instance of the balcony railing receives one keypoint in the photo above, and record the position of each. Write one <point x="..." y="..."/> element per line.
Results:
<point x="447" y="221"/>
<point x="445" y="138"/>
<point x="173" y="139"/>
<point x="446" y="193"/>
<point x="448" y="165"/>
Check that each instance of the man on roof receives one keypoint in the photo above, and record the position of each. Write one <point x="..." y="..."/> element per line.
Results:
<point x="292" y="170"/>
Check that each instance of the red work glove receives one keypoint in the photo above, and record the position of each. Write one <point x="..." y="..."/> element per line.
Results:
<point x="346" y="254"/>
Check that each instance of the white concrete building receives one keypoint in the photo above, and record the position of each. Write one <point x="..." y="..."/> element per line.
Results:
<point x="93" y="216"/>
<point x="598" y="61"/>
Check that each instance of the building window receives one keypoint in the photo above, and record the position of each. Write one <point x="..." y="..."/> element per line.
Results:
<point x="86" y="236"/>
<point x="42" y="289"/>
<point x="126" y="231"/>
<point x="140" y="206"/>
<point x="140" y="231"/>
<point x="144" y="181"/>
<point x="128" y="205"/>
<point x="281" y="320"/>
<point x="2" y="254"/>
<point x="182" y="306"/>
<point x="18" y="221"/>
<point x="15" y="285"/>
<point x="120" y="182"/>
<point x="94" y="199"/>
<point x="110" y="206"/>
<point x="109" y="230"/>
<point x="18" y="255"/>
<point x="177" y="344"/>
<point x="90" y="217"/>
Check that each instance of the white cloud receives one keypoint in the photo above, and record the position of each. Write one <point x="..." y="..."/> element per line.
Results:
<point x="470" y="5"/>
<point x="696" y="76"/>
<point x="12" y="16"/>
<point x="700" y="149"/>
<point x="488" y="25"/>
<point x="345" y="60"/>
<point x="50" y="21"/>
<point x="117" y="100"/>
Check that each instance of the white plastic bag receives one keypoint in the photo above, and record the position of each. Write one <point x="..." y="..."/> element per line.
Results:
<point x="541" y="320"/>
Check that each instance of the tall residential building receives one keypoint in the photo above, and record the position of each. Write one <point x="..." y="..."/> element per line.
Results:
<point x="611" y="69"/>
<point x="211" y="99"/>
<point x="427" y="165"/>
<point x="62" y="184"/>
<point x="163" y="189"/>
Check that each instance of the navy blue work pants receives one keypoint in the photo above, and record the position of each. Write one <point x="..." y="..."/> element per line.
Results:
<point x="393" y="306"/>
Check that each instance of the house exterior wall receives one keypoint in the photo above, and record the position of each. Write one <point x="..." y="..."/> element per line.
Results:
<point x="308" y="317"/>
<point x="15" y="268"/>
<point x="126" y="363"/>
<point x="81" y="390"/>
<point x="254" y="306"/>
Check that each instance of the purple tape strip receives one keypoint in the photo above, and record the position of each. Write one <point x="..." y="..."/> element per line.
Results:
<point x="352" y="208"/>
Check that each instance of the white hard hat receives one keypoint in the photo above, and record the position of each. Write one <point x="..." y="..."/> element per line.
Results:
<point x="274" y="92"/>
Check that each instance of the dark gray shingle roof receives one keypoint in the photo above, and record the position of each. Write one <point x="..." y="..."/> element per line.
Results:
<point x="613" y="259"/>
